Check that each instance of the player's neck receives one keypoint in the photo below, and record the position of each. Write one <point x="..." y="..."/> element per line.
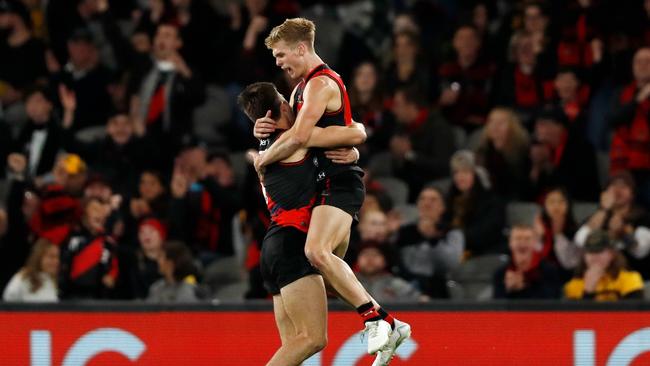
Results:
<point x="312" y="61"/>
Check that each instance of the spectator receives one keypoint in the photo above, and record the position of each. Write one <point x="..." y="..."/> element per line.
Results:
<point x="429" y="249"/>
<point x="59" y="209"/>
<point x="572" y="96"/>
<point x="202" y="206"/>
<point x="119" y="156"/>
<point x="142" y="266"/>
<point x="178" y="284"/>
<point x="407" y="68"/>
<point x="520" y="84"/>
<point x="581" y="41"/>
<point x="422" y="143"/>
<point x="536" y="23"/>
<point x="164" y="94"/>
<point x="630" y="149"/>
<point x="602" y="274"/>
<point x="526" y="276"/>
<point x="88" y="78"/>
<point x="464" y="90"/>
<point x="152" y="200"/>
<point x="93" y="15"/>
<point x="36" y="281"/>
<point x="374" y="274"/>
<point x="627" y="223"/>
<point x="197" y="25"/>
<point x="89" y="259"/>
<point x="473" y="208"/>
<point x="42" y="138"/>
<point x="23" y="57"/>
<point x="366" y="102"/>
<point x="373" y="227"/>
<point x="555" y="226"/>
<point x="503" y="151"/>
<point x="561" y="158"/>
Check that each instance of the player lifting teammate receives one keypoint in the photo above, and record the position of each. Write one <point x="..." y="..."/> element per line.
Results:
<point x="320" y="100"/>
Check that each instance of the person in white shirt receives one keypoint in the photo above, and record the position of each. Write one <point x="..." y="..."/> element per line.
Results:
<point x="36" y="281"/>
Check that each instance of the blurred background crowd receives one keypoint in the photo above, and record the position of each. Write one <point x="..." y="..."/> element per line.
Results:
<point x="508" y="150"/>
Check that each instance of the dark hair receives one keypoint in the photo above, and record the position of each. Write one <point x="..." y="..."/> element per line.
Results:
<point x="570" y="225"/>
<point x="258" y="98"/>
<point x="412" y="94"/>
<point x="413" y="37"/>
<point x="35" y="89"/>
<point x="179" y="254"/>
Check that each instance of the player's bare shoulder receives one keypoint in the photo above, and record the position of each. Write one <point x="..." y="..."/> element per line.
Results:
<point x="325" y="87"/>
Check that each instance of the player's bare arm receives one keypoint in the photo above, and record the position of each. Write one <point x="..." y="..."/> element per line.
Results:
<point x="337" y="136"/>
<point x="318" y="93"/>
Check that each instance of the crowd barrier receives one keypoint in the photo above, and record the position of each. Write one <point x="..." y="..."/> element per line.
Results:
<point x="497" y="333"/>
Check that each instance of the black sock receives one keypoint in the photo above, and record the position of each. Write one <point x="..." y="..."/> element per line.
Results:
<point x="368" y="312"/>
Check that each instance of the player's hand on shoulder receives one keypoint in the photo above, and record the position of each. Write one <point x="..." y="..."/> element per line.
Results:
<point x="344" y="155"/>
<point x="264" y="126"/>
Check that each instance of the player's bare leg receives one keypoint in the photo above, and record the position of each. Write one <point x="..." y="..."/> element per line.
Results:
<point x="282" y="320"/>
<point x="309" y="319"/>
<point x="328" y="228"/>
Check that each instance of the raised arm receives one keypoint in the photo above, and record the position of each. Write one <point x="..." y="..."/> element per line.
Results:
<point x="336" y="136"/>
<point x="316" y="95"/>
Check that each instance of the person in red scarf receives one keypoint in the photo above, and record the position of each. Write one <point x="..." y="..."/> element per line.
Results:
<point x="526" y="276"/>
<point x="560" y="157"/>
<point x="630" y="149"/>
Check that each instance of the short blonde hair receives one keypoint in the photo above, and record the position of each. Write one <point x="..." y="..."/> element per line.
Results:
<point x="293" y="31"/>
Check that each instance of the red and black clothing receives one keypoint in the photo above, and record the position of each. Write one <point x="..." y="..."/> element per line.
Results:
<point x="340" y="185"/>
<point x="86" y="259"/>
<point x="630" y="149"/>
<point x="290" y="193"/>
<point x="341" y="117"/>
<point x="290" y="190"/>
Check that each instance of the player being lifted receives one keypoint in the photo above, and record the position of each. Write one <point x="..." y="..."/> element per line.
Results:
<point x="320" y="99"/>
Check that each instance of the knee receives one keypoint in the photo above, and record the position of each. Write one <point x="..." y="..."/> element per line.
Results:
<point x="318" y="258"/>
<point x="317" y="342"/>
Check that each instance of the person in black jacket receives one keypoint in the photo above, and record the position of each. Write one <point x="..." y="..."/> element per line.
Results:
<point x="526" y="276"/>
<point x="473" y="207"/>
<point x="42" y="137"/>
<point x="164" y="92"/>
<point x="422" y="142"/>
<point x="562" y="157"/>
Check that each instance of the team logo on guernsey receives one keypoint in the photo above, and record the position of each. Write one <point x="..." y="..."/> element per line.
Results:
<point x="264" y="142"/>
<point x="321" y="176"/>
<point x="315" y="162"/>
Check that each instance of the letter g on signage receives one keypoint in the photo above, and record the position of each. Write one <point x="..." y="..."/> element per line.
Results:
<point x="631" y="347"/>
<point x="88" y="346"/>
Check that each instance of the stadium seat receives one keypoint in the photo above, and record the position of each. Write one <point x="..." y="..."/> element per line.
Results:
<point x="521" y="213"/>
<point x="646" y="290"/>
<point x="474" y="139"/>
<point x="408" y="213"/>
<point x="396" y="189"/>
<point x="472" y="280"/>
<point x="460" y="137"/>
<point x="212" y="114"/>
<point x="583" y="210"/>
<point x="233" y="292"/>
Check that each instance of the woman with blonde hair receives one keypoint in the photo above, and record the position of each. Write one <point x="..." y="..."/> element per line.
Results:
<point x="36" y="281"/>
<point x="503" y="151"/>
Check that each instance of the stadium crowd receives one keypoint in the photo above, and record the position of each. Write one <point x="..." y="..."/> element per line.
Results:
<point x="508" y="150"/>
